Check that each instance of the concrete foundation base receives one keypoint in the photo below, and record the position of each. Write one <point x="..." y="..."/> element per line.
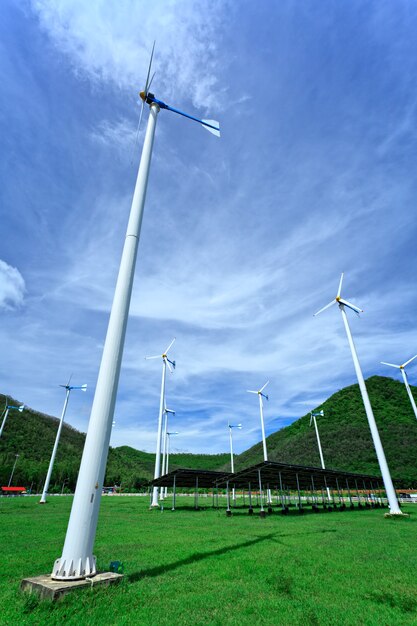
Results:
<point x="53" y="589"/>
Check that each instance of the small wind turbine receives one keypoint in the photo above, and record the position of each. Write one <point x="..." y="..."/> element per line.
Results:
<point x="313" y="416"/>
<point x="171" y="365"/>
<point x="6" y="413"/>
<point x="164" y="448"/>
<point x="404" y="375"/>
<point x="232" y="464"/>
<point x="77" y="559"/>
<point x="68" y="388"/>
<point x="386" y="476"/>
<point x="261" y="409"/>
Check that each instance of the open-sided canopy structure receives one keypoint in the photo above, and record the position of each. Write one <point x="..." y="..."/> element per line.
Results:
<point x="297" y="477"/>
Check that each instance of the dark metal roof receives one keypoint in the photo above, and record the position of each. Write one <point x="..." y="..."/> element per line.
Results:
<point x="308" y="477"/>
<point x="190" y="478"/>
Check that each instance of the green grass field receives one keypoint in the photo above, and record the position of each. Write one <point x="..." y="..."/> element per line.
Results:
<point x="199" y="567"/>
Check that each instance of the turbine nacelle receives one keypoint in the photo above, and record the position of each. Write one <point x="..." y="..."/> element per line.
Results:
<point x="259" y="391"/>
<point x="149" y="98"/>
<point x="316" y="414"/>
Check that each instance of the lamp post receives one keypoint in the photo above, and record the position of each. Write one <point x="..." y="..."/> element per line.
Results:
<point x="11" y="475"/>
<point x="232" y="465"/>
<point x="6" y="413"/>
<point x="167" y="456"/>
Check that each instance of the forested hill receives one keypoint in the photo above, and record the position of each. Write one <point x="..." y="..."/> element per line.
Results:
<point x="32" y="434"/>
<point x="345" y="435"/>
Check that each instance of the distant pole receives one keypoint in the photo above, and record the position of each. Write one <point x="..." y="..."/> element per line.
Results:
<point x="164" y="453"/>
<point x="386" y="476"/>
<point x="157" y="471"/>
<point x="77" y="560"/>
<point x="11" y="475"/>
<point x="232" y="464"/>
<point x="313" y="417"/>
<point x="68" y="389"/>
<point x="261" y="409"/>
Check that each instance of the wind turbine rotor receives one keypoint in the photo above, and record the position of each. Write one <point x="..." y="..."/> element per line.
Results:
<point x="392" y="365"/>
<point x="262" y="388"/>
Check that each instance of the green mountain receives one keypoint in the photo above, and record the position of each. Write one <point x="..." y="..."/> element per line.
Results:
<point x="32" y="434"/>
<point x="344" y="433"/>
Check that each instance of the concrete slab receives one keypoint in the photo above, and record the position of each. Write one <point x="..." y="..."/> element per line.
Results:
<point x="53" y="589"/>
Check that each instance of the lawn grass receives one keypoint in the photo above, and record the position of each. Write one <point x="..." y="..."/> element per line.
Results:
<point x="199" y="567"/>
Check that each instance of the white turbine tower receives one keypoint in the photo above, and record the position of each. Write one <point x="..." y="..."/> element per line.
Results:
<point x="261" y="410"/>
<point x="313" y="416"/>
<point x="232" y="463"/>
<point x="68" y="388"/>
<point x="171" y="365"/>
<point x="404" y="375"/>
<point x="164" y="470"/>
<point x="6" y="413"/>
<point x="386" y="476"/>
<point x="77" y="559"/>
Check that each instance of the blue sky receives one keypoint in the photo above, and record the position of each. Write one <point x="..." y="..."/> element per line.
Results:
<point x="243" y="238"/>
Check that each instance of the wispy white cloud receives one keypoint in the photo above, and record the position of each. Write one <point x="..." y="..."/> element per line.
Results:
<point x="12" y="286"/>
<point x="111" y="41"/>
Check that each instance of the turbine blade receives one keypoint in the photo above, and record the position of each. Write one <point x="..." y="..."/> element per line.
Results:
<point x="149" y="71"/>
<point x="170" y="346"/>
<point x="250" y="391"/>
<point x="409" y="360"/>
<point x="169" y="366"/>
<point x="390" y="364"/>
<point x="325" y="307"/>
<point x="83" y="387"/>
<point x="20" y="408"/>
<point x="152" y="357"/>
<point x="340" y="286"/>
<point x="262" y="388"/>
<point x="351" y="306"/>
<point x="311" y="418"/>
<point x="212" y="126"/>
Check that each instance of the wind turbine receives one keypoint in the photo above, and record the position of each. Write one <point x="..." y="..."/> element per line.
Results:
<point x="232" y="464"/>
<point x="171" y="365"/>
<point x="164" y="449"/>
<point x="261" y="409"/>
<point x="77" y="559"/>
<point x="68" y="388"/>
<point x="404" y="375"/>
<point x="313" y="416"/>
<point x="6" y="413"/>
<point x="386" y="476"/>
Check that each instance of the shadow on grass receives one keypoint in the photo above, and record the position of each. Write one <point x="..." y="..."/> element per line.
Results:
<point x="200" y="556"/>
